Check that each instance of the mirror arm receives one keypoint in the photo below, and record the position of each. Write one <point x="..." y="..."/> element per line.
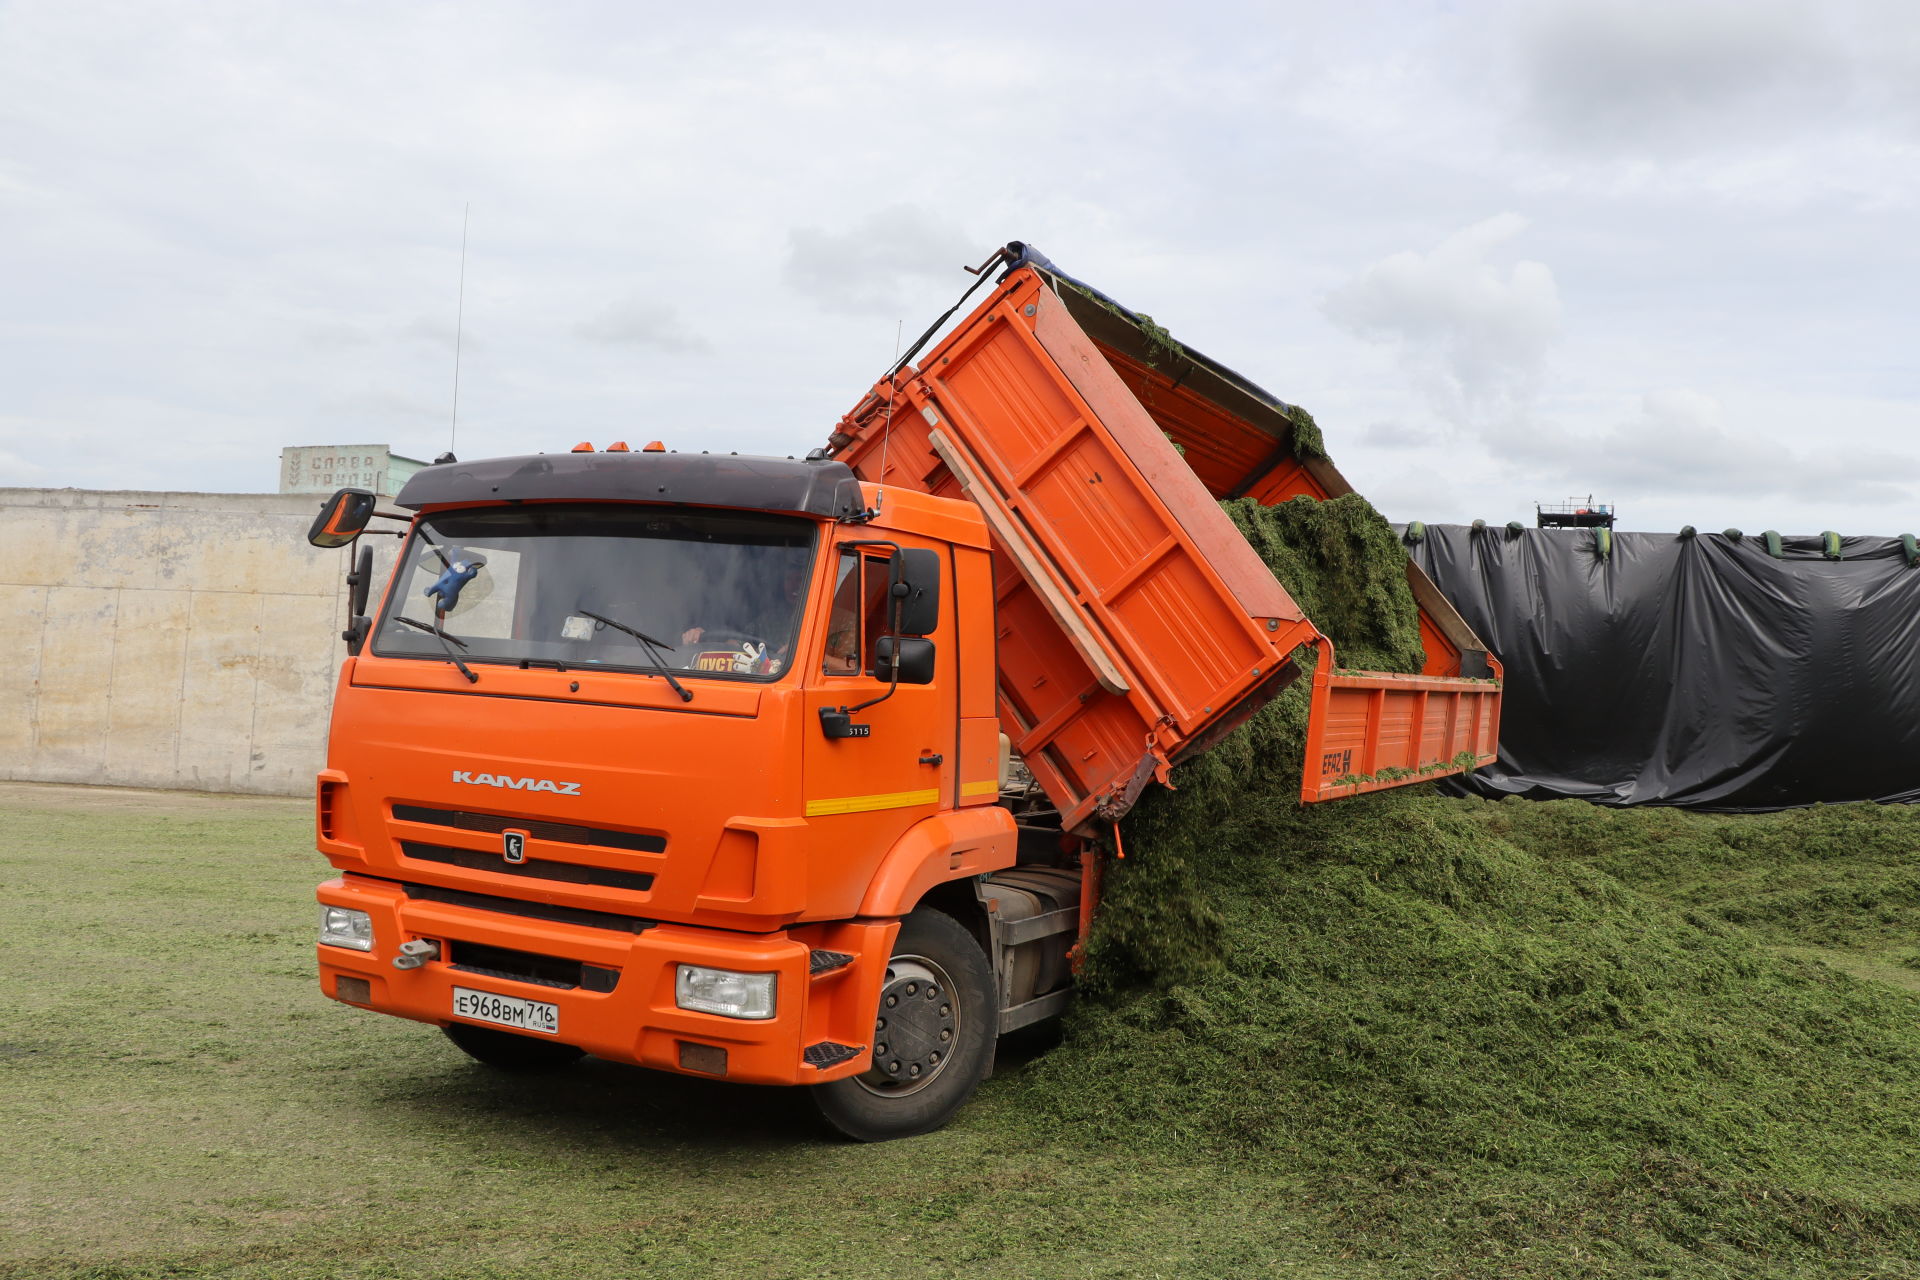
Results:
<point x="893" y="687"/>
<point x="837" y="722"/>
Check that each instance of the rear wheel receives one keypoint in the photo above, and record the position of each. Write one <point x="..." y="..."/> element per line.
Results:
<point x="510" y="1052"/>
<point x="933" y="1036"/>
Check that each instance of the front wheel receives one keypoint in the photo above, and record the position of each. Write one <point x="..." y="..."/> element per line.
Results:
<point x="933" y="1036"/>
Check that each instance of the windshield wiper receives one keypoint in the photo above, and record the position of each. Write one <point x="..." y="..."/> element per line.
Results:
<point x="446" y="642"/>
<point x="653" y="650"/>
<point x="432" y="542"/>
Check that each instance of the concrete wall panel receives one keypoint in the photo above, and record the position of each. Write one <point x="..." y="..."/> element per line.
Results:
<point x="218" y="694"/>
<point x="149" y="669"/>
<point x="76" y="683"/>
<point x="289" y="738"/>
<point x="182" y="640"/>
<point x="23" y="612"/>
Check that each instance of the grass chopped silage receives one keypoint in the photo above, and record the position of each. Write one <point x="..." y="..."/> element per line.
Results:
<point x="1345" y="567"/>
<point x="1839" y="876"/>
<point x="1511" y="1038"/>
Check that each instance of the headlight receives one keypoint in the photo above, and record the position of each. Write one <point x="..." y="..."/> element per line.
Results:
<point x="721" y="991"/>
<point x="342" y="927"/>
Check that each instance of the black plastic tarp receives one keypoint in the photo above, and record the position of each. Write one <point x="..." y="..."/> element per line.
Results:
<point x="1693" y="670"/>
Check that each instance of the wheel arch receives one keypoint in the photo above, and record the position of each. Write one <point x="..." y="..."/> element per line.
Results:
<point x="934" y="861"/>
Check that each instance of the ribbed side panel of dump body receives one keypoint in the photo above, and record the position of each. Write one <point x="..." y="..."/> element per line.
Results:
<point x="1135" y="625"/>
<point x="1367" y="730"/>
<point x="1134" y="622"/>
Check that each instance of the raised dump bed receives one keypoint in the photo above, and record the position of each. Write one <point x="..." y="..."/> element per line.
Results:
<point x="1135" y="625"/>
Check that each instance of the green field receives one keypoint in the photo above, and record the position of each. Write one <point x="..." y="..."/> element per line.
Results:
<point x="178" y="1099"/>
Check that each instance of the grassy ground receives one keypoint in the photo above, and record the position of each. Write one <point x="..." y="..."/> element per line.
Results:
<point x="179" y="1100"/>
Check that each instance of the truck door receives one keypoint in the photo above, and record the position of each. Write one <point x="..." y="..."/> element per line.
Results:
<point x="863" y="792"/>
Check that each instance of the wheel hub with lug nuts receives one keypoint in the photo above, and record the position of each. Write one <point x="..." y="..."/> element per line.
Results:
<point x="917" y="1029"/>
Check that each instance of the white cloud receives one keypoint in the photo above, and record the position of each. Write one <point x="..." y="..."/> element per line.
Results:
<point x="216" y="230"/>
<point x="442" y="334"/>
<point x="867" y="268"/>
<point x="16" y="470"/>
<point x="1394" y="435"/>
<point x="1681" y="444"/>
<point x="1665" y="76"/>
<point x="1472" y="335"/>
<point x="642" y="322"/>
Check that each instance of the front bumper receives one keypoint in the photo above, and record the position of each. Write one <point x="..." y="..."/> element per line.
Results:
<point x="829" y="980"/>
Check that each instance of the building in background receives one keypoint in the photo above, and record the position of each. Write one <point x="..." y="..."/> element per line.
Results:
<point x="322" y="468"/>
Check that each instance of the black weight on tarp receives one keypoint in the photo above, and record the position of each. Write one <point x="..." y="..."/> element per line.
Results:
<point x="1693" y="671"/>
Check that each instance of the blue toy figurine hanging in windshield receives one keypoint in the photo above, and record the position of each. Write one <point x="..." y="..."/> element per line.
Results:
<point x="461" y="568"/>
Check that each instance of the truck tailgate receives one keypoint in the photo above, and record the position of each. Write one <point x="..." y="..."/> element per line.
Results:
<point x="1135" y="625"/>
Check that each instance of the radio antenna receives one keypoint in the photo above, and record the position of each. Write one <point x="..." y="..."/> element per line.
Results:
<point x="459" y="325"/>
<point x="886" y="432"/>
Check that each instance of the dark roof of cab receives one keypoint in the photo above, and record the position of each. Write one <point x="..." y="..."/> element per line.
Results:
<point x="816" y="487"/>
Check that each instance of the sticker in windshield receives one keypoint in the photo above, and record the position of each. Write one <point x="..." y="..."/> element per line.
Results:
<point x="748" y="659"/>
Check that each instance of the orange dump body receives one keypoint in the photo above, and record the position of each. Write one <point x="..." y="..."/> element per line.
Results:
<point x="1135" y="625"/>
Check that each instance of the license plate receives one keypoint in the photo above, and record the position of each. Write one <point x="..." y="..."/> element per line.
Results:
<point x="507" y="1011"/>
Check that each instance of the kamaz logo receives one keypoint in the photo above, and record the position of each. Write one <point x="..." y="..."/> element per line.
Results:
<point x="516" y="784"/>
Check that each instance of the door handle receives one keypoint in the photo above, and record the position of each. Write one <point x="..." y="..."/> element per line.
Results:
<point x="934" y="758"/>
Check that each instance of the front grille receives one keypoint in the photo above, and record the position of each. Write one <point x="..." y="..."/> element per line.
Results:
<point x="531" y="910"/>
<point x="531" y="869"/>
<point x="525" y="966"/>
<point x="563" y="832"/>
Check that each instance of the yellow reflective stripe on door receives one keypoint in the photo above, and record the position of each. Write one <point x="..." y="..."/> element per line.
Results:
<point x="866" y="804"/>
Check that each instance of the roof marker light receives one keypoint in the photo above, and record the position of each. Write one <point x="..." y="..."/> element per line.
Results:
<point x="583" y="447"/>
<point x="618" y="446"/>
<point x="654" y="446"/>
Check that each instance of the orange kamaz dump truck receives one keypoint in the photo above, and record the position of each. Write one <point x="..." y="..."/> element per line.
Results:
<point x="789" y="771"/>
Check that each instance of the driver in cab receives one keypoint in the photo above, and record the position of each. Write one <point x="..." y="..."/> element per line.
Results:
<point x="762" y="647"/>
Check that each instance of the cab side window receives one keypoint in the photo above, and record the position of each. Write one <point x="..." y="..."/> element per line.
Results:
<point x="843" y="618"/>
<point x="858" y="614"/>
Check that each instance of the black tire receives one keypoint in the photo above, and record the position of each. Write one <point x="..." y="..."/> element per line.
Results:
<point x="915" y="1086"/>
<point x="509" y="1052"/>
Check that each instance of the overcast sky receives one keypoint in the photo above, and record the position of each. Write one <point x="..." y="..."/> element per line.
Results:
<point x="1666" y="253"/>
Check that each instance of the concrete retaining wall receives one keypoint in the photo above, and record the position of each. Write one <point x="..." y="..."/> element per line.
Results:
<point x="177" y="640"/>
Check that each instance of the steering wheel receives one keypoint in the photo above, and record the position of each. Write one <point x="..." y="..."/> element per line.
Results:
<point x="721" y="638"/>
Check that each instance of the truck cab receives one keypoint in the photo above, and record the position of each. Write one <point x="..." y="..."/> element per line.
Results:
<point x="649" y="755"/>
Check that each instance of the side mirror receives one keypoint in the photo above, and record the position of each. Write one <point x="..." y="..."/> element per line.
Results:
<point x="903" y="659"/>
<point x="342" y="518"/>
<point x="916" y="594"/>
<point x="358" y="583"/>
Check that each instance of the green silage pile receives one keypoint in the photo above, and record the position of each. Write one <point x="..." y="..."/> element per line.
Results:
<point x="1504" y="1038"/>
<point x="1344" y="566"/>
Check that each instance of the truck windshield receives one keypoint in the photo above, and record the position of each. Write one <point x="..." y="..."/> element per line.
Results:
<point x="720" y="591"/>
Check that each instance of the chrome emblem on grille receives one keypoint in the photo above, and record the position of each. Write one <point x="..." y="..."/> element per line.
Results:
<point x="514" y="845"/>
<point x="473" y="779"/>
